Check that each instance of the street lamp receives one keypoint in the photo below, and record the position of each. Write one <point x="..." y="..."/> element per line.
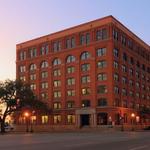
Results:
<point x="26" y="114"/>
<point x="132" y="120"/>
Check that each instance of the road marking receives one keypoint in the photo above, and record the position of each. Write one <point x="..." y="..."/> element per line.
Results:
<point x="138" y="148"/>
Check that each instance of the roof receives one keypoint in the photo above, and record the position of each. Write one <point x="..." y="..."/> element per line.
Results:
<point x="83" y="27"/>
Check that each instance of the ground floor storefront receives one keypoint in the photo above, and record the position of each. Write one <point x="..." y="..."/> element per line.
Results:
<point x="84" y="117"/>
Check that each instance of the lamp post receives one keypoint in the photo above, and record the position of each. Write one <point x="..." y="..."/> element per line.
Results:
<point x="132" y="121"/>
<point x="26" y="114"/>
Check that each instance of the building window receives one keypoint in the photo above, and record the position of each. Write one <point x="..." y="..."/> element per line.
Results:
<point x="44" y="49"/>
<point x="70" y="69"/>
<point x="57" y="94"/>
<point x="116" y="77"/>
<point x="57" y="105"/>
<point x="117" y="102"/>
<point x="102" y="77"/>
<point x="116" y="65"/>
<point x="44" y="85"/>
<point x="33" y="52"/>
<point x="44" y="74"/>
<point x="86" y="103"/>
<point x="131" y="72"/>
<point x="85" y="79"/>
<point x="125" y="103"/>
<point x="57" y="46"/>
<point x="102" y="89"/>
<point x="124" y="68"/>
<point x="32" y="67"/>
<point x="70" y="59"/>
<point x="32" y="77"/>
<point x="33" y="86"/>
<point x="57" y="83"/>
<point x="102" y="102"/>
<point x="124" y="57"/>
<point x="73" y="42"/>
<point x="85" y="55"/>
<point x="22" y="78"/>
<point x="102" y="64"/>
<point x="85" y="67"/>
<point x="115" y="34"/>
<point x="131" y="83"/>
<point x="116" y="52"/>
<point x="44" y="96"/>
<point x="22" y="55"/>
<point x="56" y="72"/>
<point x="57" y="119"/>
<point x="124" y="80"/>
<point x="131" y="61"/>
<point x="84" y="38"/>
<point x="86" y="91"/>
<point x="101" y="34"/>
<point x="124" y="92"/>
<point x="44" y="64"/>
<point x="70" y="92"/>
<point x="137" y="85"/>
<point x="56" y="62"/>
<point x="123" y="40"/>
<point x="70" y="104"/>
<point x="101" y="52"/>
<point x="71" y="81"/>
<point x="71" y="119"/>
<point x="22" y="68"/>
<point x="137" y="74"/>
<point x="116" y="90"/>
<point x="44" y="119"/>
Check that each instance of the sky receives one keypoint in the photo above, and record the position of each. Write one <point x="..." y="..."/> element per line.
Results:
<point x="22" y="20"/>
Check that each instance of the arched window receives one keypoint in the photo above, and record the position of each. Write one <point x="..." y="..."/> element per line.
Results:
<point x="85" y="55"/>
<point x="70" y="59"/>
<point x="56" y="62"/>
<point x="32" y="67"/>
<point x="44" y="64"/>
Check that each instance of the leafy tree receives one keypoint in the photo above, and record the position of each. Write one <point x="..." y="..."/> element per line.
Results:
<point x="17" y="95"/>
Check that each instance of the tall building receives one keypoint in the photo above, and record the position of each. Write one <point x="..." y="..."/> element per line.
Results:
<point x="95" y="73"/>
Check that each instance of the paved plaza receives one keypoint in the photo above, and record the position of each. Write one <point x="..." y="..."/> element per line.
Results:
<point x="76" y="141"/>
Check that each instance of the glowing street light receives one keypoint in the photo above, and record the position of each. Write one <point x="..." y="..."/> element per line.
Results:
<point x="132" y="120"/>
<point x="26" y="114"/>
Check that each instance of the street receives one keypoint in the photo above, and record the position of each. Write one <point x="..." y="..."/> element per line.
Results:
<point x="79" y="141"/>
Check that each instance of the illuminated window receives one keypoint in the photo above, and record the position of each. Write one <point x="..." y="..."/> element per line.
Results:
<point x="44" y="85"/>
<point x="86" y="103"/>
<point x="71" y="119"/>
<point x="57" y="83"/>
<point x="44" y="119"/>
<point x="57" y="119"/>
<point x="22" y="68"/>
<point x="57" y="105"/>
<point x="44" y="74"/>
<point x="102" y="64"/>
<point x="85" y="79"/>
<point x="33" y="52"/>
<point x="70" y="92"/>
<point x="33" y="86"/>
<point x="86" y="91"/>
<point x="22" y="55"/>
<point x="102" y="77"/>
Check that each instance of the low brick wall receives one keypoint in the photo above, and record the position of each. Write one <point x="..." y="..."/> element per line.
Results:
<point x="66" y="128"/>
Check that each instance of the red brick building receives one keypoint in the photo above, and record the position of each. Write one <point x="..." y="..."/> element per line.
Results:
<point x="92" y="74"/>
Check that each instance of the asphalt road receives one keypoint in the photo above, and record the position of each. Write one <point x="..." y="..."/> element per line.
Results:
<point x="77" y="141"/>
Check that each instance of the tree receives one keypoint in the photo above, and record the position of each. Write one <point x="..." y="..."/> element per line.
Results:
<point x="17" y="95"/>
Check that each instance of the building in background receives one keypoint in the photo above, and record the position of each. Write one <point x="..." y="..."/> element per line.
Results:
<point x="97" y="73"/>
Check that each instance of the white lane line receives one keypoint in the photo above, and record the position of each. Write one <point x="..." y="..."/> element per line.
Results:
<point x="138" y="148"/>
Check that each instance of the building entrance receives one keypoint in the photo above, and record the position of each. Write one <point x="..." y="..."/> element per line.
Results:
<point x="85" y="120"/>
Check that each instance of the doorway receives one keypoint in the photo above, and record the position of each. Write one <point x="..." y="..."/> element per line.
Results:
<point x="102" y="118"/>
<point x="85" y="120"/>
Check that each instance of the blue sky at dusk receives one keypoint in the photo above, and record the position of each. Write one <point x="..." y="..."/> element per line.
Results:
<point x="22" y="20"/>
